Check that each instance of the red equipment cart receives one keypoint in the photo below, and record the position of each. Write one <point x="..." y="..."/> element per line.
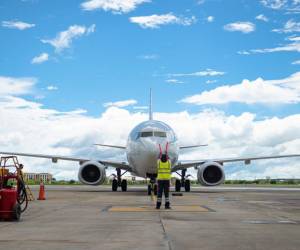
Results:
<point x="12" y="189"/>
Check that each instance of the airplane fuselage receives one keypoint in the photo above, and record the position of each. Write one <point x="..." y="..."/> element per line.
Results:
<point x="145" y="144"/>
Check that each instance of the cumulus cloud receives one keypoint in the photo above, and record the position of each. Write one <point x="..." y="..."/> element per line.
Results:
<point x="244" y="27"/>
<point x="63" y="39"/>
<point x="40" y="58"/>
<point x="155" y="21"/>
<point x="73" y="133"/>
<point x="207" y="72"/>
<point x="210" y="19"/>
<point x="16" y="86"/>
<point x="274" y="4"/>
<point x="227" y="136"/>
<point x="282" y="91"/>
<point x="120" y="104"/>
<point x="17" y="25"/>
<point x="290" y="26"/>
<point x="116" y="6"/>
<point x="291" y="6"/>
<point x="262" y="17"/>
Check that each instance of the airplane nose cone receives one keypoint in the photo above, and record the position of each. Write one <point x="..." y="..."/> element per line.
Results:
<point x="154" y="148"/>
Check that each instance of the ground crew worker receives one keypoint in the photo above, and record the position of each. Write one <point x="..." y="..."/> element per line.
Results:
<point x="163" y="180"/>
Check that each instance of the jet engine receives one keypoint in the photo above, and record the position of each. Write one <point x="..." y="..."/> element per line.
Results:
<point x="210" y="174"/>
<point x="92" y="173"/>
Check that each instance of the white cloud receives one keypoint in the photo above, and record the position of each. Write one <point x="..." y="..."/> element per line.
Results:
<point x="262" y="17"/>
<point x="91" y="29"/>
<point x="227" y="136"/>
<point x="155" y="21"/>
<point x="52" y="87"/>
<point x="120" y="104"/>
<point x="290" y="26"/>
<point x="210" y="19"/>
<point x="174" y="81"/>
<point x="17" y="25"/>
<point x="282" y="91"/>
<point x="116" y="6"/>
<point x="149" y="57"/>
<point x="294" y="45"/>
<point x="289" y="5"/>
<point x="64" y="39"/>
<point x="296" y="62"/>
<point x="211" y="81"/>
<point x="16" y="86"/>
<point x="40" y="58"/>
<point x="244" y="27"/>
<point x="207" y="72"/>
<point x="243" y="52"/>
<point x="199" y="2"/>
<point x="274" y="4"/>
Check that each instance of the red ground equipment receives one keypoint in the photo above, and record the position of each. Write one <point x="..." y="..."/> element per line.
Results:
<point x="13" y="196"/>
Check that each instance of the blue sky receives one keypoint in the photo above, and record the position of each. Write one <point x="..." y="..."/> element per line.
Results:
<point x="120" y="60"/>
<point x="224" y="73"/>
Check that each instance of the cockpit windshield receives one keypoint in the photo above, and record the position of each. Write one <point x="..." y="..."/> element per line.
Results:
<point x="152" y="133"/>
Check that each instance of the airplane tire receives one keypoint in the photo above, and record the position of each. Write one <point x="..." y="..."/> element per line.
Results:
<point x="177" y="185"/>
<point x="114" y="185"/>
<point x="187" y="185"/>
<point x="124" y="185"/>
<point x="155" y="189"/>
<point x="149" y="189"/>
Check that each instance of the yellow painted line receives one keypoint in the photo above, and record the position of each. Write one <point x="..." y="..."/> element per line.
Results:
<point x="176" y="208"/>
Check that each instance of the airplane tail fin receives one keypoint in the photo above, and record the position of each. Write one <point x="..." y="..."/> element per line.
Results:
<point x="150" y="106"/>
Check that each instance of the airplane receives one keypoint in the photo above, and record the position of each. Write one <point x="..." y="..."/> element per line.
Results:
<point x="146" y="142"/>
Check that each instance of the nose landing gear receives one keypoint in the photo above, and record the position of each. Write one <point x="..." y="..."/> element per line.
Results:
<point x="183" y="182"/>
<point x="152" y="187"/>
<point x="119" y="182"/>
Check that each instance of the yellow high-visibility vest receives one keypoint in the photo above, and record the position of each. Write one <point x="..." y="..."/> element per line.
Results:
<point x="163" y="170"/>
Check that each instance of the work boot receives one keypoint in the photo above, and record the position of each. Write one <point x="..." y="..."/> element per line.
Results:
<point x="167" y="205"/>
<point x="158" y="204"/>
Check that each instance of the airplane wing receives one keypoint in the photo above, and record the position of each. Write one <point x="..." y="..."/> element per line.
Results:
<point x="193" y="146"/>
<point x="110" y="146"/>
<point x="55" y="158"/>
<point x="247" y="160"/>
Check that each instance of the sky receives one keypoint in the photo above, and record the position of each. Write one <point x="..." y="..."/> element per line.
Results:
<point x="226" y="73"/>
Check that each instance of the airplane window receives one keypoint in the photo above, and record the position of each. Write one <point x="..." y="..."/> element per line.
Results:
<point x="146" y="134"/>
<point x="152" y="133"/>
<point x="160" y="134"/>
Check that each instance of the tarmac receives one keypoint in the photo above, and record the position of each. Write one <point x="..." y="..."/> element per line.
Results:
<point x="84" y="217"/>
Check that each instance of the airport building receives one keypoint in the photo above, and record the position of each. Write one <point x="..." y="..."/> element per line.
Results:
<point x="45" y="177"/>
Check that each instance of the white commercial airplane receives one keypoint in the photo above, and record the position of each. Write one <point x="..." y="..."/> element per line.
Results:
<point x="144" y="145"/>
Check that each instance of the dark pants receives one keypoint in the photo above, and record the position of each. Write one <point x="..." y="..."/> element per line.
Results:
<point x="163" y="187"/>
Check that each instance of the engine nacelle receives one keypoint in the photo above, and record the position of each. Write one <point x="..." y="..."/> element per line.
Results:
<point x="211" y="174"/>
<point x="92" y="173"/>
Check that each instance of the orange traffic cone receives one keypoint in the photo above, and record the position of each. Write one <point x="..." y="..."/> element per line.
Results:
<point x="42" y="191"/>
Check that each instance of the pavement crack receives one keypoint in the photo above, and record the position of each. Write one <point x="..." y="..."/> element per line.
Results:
<point x="166" y="237"/>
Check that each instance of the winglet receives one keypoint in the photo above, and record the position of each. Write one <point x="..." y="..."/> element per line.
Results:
<point x="150" y="106"/>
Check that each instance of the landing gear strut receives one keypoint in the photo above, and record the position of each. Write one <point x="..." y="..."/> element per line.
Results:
<point x="119" y="182"/>
<point x="183" y="182"/>
<point x="152" y="186"/>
